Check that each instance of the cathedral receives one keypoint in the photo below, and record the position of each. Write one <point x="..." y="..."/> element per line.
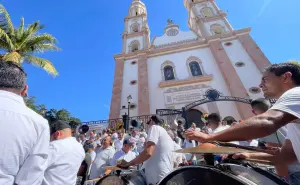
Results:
<point x="178" y="67"/>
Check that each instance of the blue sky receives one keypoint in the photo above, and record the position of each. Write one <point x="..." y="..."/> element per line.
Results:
<point x="89" y="33"/>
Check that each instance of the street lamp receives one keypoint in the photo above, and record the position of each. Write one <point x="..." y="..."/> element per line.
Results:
<point x="129" y="98"/>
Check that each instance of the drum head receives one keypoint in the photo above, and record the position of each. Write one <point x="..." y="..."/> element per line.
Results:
<point x="111" y="180"/>
<point x="256" y="175"/>
<point x="200" y="175"/>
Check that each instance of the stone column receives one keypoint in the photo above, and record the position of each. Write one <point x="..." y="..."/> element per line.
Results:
<point x="253" y="50"/>
<point x="143" y="88"/>
<point x="115" y="105"/>
<point x="233" y="82"/>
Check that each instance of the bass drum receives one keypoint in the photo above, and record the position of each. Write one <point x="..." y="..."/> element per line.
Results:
<point x="202" y="175"/>
<point x="257" y="175"/>
<point x="135" y="178"/>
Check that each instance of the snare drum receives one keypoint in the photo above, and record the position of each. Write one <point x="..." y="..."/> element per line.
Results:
<point x="204" y="175"/>
<point x="134" y="178"/>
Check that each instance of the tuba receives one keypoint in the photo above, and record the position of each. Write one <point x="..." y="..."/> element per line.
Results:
<point x="83" y="129"/>
<point x="178" y="121"/>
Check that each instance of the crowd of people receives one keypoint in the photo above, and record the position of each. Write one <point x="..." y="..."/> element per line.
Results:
<point x="34" y="153"/>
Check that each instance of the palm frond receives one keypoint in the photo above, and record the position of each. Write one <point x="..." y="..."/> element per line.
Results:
<point x="6" y="21"/>
<point x="3" y="45"/>
<point x="42" y="63"/>
<point x="20" y="30"/>
<point x="12" y="57"/>
<point x="40" y="48"/>
<point x="37" y="40"/>
<point x="6" y="38"/>
<point x="29" y="33"/>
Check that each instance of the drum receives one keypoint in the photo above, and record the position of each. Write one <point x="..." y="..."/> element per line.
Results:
<point x="260" y="175"/>
<point x="134" y="178"/>
<point x="225" y="174"/>
<point x="91" y="182"/>
<point x="201" y="175"/>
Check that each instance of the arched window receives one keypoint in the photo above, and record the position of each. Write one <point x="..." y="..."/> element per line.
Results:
<point x="207" y="12"/>
<point x="217" y="29"/>
<point x="134" y="46"/>
<point x="195" y="68"/>
<point x="135" y="27"/>
<point x="169" y="73"/>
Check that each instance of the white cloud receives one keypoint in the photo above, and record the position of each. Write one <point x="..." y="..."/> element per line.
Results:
<point x="264" y="7"/>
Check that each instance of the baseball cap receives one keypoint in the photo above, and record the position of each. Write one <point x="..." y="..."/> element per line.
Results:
<point x="58" y="125"/>
<point x="157" y="119"/>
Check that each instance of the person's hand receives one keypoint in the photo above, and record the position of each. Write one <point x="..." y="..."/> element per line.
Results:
<point x="224" y="156"/>
<point x="241" y="156"/>
<point x="124" y="164"/>
<point x="198" y="136"/>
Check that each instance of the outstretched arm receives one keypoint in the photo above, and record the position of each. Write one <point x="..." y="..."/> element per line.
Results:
<point x="255" y="127"/>
<point x="145" y="155"/>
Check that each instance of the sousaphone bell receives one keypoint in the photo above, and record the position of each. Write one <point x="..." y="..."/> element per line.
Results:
<point x="83" y="129"/>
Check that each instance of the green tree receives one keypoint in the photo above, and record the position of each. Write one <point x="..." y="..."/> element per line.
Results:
<point x="74" y="122"/>
<point x="295" y="62"/>
<point x="20" y="44"/>
<point x="31" y="103"/>
<point x="52" y="114"/>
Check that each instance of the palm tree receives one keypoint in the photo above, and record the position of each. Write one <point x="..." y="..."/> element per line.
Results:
<point x="20" y="44"/>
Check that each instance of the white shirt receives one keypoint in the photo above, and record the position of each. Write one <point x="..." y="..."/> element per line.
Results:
<point x="188" y="144"/>
<point x="65" y="158"/>
<point x="24" y="142"/>
<point x="140" y="144"/>
<point x="253" y="143"/>
<point x="118" y="144"/>
<point x="177" y="157"/>
<point x="160" y="163"/>
<point x="121" y="155"/>
<point x="114" y="136"/>
<point x="102" y="159"/>
<point x="93" y="155"/>
<point x="289" y="102"/>
<point x="220" y="129"/>
<point x="278" y="137"/>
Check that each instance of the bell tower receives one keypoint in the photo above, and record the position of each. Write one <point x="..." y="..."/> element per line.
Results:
<point x="206" y="18"/>
<point x="136" y="34"/>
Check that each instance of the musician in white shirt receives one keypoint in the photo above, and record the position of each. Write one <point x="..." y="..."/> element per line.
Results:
<point x="125" y="153"/>
<point x="24" y="134"/>
<point x="103" y="158"/>
<point x="119" y="140"/>
<point x="158" y="153"/>
<point x="65" y="156"/>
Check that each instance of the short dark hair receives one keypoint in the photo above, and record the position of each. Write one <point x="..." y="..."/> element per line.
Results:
<point x="157" y="120"/>
<point x="12" y="76"/>
<point x="280" y="69"/>
<point x="261" y="103"/>
<point x="214" y="117"/>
